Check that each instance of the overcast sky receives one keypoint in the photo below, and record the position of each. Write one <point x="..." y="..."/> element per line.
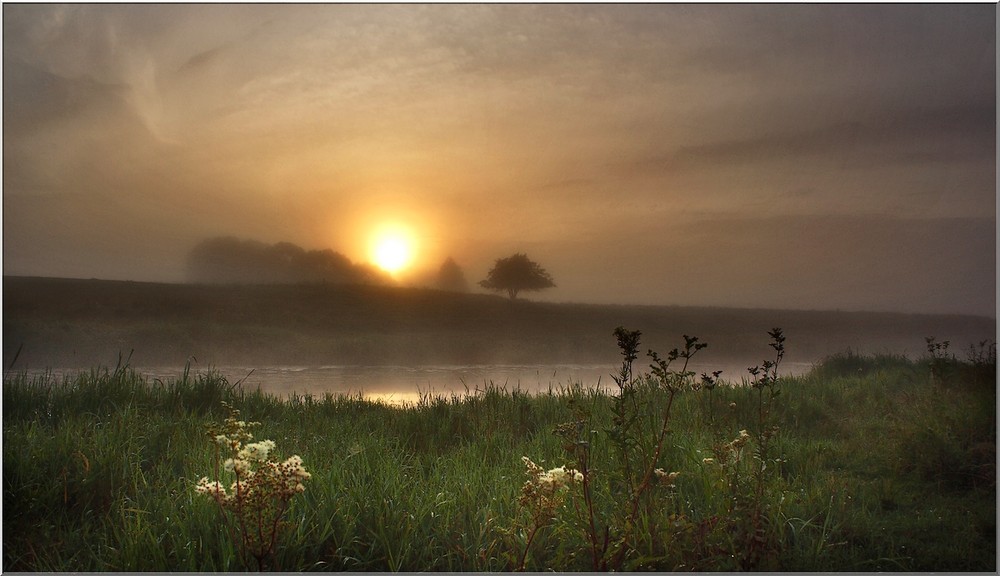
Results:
<point x="781" y="156"/>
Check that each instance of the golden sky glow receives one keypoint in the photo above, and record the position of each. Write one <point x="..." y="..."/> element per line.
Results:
<point x="392" y="248"/>
<point x="824" y="155"/>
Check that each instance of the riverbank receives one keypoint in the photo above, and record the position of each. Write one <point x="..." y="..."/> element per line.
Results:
<point x="874" y="465"/>
<point x="65" y="323"/>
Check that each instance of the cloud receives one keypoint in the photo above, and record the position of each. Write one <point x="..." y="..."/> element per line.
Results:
<point x="201" y="60"/>
<point x="954" y="134"/>
<point x="502" y="127"/>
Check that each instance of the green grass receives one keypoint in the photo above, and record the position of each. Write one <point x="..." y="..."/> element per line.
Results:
<point x="879" y="468"/>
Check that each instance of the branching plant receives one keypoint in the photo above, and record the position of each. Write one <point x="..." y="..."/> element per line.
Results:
<point x="984" y="355"/>
<point x="765" y="381"/>
<point x="940" y="361"/>
<point x="638" y="457"/>
<point x="983" y="362"/>
<point x="541" y="496"/>
<point x="254" y="505"/>
<point x="640" y="426"/>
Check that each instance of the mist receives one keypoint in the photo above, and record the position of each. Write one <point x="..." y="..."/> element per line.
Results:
<point x="772" y="156"/>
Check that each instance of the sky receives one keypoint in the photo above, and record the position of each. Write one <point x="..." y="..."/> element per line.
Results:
<point x="752" y="155"/>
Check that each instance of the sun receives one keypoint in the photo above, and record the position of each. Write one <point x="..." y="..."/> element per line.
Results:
<point x="392" y="250"/>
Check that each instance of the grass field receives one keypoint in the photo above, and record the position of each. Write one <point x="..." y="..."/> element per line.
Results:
<point x="869" y="462"/>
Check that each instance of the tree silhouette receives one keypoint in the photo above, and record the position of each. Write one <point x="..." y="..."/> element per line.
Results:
<point x="231" y="260"/>
<point x="451" y="278"/>
<point x="516" y="273"/>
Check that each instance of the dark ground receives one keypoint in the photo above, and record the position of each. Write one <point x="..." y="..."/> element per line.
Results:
<point x="64" y="323"/>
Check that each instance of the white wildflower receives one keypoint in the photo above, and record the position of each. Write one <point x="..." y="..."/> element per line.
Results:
<point x="238" y="465"/>
<point x="544" y="491"/>
<point x="533" y="469"/>
<point x="212" y="488"/>
<point x="259" y="483"/>
<point x="291" y="474"/>
<point x="256" y="451"/>
<point x="666" y="478"/>
<point x="557" y="476"/>
<point x="739" y="441"/>
<point x="241" y="489"/>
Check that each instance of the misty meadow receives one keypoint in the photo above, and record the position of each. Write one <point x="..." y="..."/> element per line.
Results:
<point x="663" y="467"/>
<point x="499" y="287"/>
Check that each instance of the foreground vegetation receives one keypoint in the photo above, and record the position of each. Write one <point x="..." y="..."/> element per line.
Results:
<point x="867" y="463"/>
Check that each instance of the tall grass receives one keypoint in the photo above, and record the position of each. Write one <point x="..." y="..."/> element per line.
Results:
<point x="875" y="466"/>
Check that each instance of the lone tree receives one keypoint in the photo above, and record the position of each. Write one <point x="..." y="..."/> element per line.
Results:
<point x="517" y="273"/>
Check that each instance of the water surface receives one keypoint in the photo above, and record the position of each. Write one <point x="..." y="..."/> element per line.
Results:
<point x="399" y="384"/>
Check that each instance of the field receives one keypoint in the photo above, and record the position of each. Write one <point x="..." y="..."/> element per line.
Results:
<point x="60" y="323"/>
<point x="882" y="457"/>
<point x="869" y="462"/>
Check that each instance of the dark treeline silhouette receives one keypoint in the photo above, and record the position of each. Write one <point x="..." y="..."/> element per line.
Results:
<point x="451" y="277"/>
<point x="73" y="323"/>
<point x="231" y="260"/>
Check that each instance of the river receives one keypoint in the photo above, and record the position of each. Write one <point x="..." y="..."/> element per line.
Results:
<point x="404" y="384"/>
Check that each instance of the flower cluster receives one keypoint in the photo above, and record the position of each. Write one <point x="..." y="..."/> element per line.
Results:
<point x="281" y="480"/>
<point x="291" y="473"/>
<point x="739" y="442"/>
<point x="543" y="491"/>
<point x="212" y="488"/>
<point x="666" y="478"/>
<point x="245" y="455"/>
<point x="541" y="495"/>
<point x="730" y="452"/>
<point x="257" y="451"/>
<point x="234" y="432"/>
<point x="261" y="490"/>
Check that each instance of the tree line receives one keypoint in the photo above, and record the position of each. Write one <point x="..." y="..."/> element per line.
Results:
<point x="230" y="260"/>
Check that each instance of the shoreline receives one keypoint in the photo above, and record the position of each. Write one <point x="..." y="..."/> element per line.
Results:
<point x="82" y="323"/>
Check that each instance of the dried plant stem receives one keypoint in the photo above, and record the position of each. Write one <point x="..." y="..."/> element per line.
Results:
<point x="644" y="485"/>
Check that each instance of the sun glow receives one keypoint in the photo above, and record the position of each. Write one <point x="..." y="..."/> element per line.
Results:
<point x="392" y="249"/>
